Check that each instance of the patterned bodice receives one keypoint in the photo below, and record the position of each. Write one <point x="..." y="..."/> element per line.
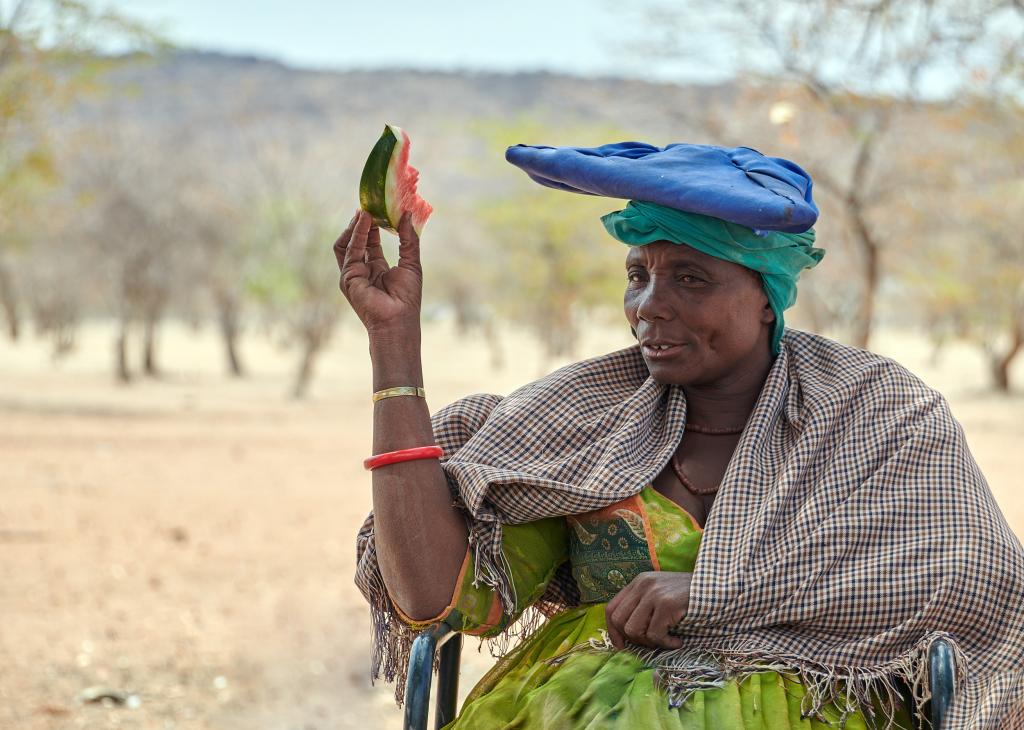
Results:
<point x="612" y="545"/>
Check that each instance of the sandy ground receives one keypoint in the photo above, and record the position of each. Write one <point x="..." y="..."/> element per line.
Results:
<point x="190" y="541"/>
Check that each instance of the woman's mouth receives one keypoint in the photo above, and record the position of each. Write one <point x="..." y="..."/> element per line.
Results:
<point x="661" y="350"/>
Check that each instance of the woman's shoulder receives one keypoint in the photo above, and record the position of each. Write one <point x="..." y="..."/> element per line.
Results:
<point x="831" y="362"/>
<point x="621" y="370"/>
<point x="456" y="423"/>
<point x="830" y="373"/>
<point x="579" y="403"/>
<point x="609" y="377"/>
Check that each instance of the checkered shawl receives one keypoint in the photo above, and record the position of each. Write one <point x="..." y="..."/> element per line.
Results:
<point x="852" y="528"/>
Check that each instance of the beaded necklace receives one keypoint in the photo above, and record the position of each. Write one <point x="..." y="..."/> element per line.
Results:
<point x="678" y="468"/>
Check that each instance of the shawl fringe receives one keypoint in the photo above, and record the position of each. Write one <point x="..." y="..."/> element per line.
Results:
<point x="682" y="672"/>
<point x="393" y="638"/>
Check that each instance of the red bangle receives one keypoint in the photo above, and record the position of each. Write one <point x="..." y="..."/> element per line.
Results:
<point x="393" y="457"/>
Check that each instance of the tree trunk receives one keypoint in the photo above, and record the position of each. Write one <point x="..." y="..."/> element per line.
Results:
<point x="938" y="343"/>
<point x="311" y="345"/>
<point x="1001" y="374"/>
<point x="9" y="302"/>
<point x="865" y="236"/>
<point x="121" y="370"/>
<point x="149" y="366"/>
<point x="1000" y="364"/>
<point x="494" y="345"/>
<point x="227" y="311"/>
<point x="869" y="249"/>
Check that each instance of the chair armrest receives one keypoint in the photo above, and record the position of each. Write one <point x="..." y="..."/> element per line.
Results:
<point x="421" y="670"/>
<point x="942" y="675"/>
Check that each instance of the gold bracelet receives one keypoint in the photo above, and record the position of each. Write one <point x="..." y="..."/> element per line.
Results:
<point x="399" y="390"/>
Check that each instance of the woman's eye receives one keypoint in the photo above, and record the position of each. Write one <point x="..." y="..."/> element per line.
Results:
<point x="689" y="279"/>
<point x="633" y="276"/>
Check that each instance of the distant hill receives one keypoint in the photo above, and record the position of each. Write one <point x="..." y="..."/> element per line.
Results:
<point x="189" y="86"/>
<point x="215" y="109"/>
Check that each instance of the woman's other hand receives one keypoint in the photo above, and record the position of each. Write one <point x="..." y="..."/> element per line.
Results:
<point x="386" y="298"/>
<point x="645" y="610"/>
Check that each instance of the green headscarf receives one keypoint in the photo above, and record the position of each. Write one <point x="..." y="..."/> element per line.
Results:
<point x="778" y="257"/>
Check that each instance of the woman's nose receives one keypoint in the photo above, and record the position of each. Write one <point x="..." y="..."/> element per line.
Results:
<point x="651" y="304"/>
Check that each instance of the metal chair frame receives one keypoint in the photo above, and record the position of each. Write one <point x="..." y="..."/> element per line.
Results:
<point x="421" y="671"/>
<point x="442" y="637"/>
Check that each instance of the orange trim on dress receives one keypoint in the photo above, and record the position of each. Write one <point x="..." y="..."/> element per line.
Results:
<point x="493" y="617"/>
<point x="648" y="532"/>
<point x="451" y="604"/>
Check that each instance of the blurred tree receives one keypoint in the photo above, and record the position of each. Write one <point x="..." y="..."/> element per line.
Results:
<point x="854" y="67"/>
<point x="299" y="293"/>
<point x="226" y="252"/>
<point x="974" y="289"/>
<point x="57" y="273"/>
<point x="457" y="277"/>
<point x="48" y="57"/>
<point x="136" y="233"/>
<point x="970" y="280"/>
<point x="291" y="221"/>
<point x="224" y="234"/>
<point x="127" y="232"/>
<point x="551" y="266"/>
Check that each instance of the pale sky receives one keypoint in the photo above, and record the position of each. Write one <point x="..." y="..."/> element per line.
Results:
<point x="574" y="36"/>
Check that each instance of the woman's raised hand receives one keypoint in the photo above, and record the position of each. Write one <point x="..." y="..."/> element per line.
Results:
<point x="386" y="298"/>
<point x="647" y="608"/>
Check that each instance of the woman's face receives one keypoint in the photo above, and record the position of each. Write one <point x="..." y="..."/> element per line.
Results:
<point x="712" y="314"/>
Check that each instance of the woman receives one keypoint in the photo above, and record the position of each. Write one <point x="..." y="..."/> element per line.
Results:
<point x="730" y="524"/>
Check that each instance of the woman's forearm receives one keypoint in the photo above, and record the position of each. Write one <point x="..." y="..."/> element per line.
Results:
<point x="420" y="537"/>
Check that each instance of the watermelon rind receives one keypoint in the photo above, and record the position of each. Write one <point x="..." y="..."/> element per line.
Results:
<point x="377" y="183"/>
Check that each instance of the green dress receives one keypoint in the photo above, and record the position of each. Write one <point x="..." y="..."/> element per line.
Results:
<point x="606" y="548"/>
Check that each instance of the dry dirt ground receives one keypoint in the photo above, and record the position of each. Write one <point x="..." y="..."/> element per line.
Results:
<point x="189" y="541"/>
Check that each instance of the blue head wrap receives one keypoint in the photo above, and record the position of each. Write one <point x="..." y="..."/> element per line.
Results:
<point x="734" y="204"/>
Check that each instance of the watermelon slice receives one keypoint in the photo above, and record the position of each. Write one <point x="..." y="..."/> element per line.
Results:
<point x="388" y="184"/>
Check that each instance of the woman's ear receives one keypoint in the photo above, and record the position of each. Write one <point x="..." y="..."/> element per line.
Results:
<point x="768" y="314"/>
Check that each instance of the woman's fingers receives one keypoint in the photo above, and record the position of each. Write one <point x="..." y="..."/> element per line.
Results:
<point x="665" y="616"/>
<point x="375" y="255"/>
<point x="408" y="245"/>
<point x="374" y="251"/>
<point x="636" y="625"/>
<point x="618" y="611"/>
<point x="341" y="245"/>
<point x="648" y="608"/>
<point x="355" y="252"/>
<point x="353" y="268"/>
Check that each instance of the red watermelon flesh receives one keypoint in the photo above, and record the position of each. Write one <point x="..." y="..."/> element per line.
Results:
<point x="388" y="184"/>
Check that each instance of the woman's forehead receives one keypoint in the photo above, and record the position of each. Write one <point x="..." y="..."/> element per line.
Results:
<point x="670" y="252"/>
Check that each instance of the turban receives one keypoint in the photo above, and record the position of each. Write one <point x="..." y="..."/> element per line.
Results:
<point x="778" y="257"/>
<point x="732" y="203"/>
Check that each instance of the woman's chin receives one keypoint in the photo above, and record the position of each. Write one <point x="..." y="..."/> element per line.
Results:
<point x="672" y="371"/>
